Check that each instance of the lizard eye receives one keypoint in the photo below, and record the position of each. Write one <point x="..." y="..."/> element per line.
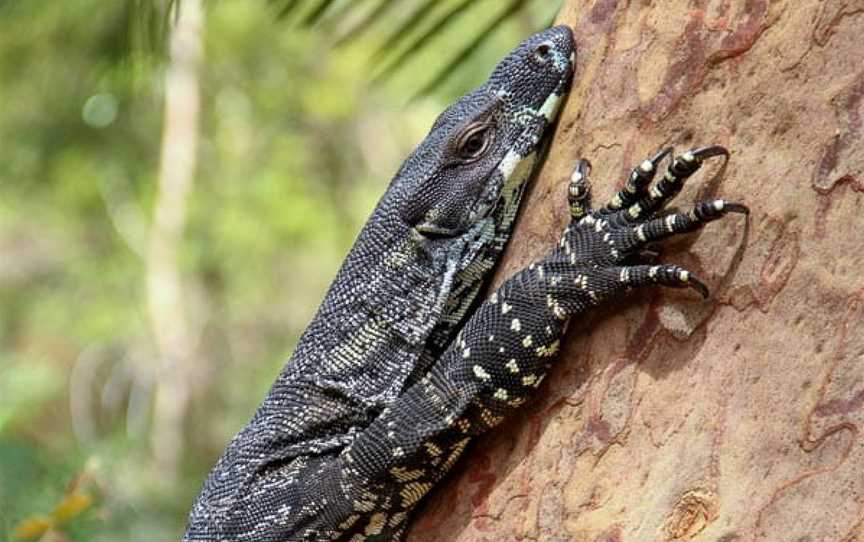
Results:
<point x="474" y="142"/>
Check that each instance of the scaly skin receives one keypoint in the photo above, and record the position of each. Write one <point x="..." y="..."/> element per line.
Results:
<point x="297" y="471"/>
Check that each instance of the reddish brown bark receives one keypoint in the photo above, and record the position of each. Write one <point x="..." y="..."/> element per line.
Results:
<point x="669" y="417"/>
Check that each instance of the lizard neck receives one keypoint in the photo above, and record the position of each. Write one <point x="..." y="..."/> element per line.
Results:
<point x="383" y="304"/>
<point x="397" y="297"/>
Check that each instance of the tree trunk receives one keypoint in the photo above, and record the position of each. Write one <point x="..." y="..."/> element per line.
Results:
<point x="669" y="417"/>
<point x="174" y="333"/>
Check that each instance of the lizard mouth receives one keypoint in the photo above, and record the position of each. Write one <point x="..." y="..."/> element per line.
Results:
<point x="520" y="163"/>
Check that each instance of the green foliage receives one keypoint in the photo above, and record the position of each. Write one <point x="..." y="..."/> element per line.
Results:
<point x="415" y="30"/>
<point x="296" y="147"/>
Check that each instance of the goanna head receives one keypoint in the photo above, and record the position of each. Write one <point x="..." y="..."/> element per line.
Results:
<point x="465" y="180"/>
<point x="455" y="198"/>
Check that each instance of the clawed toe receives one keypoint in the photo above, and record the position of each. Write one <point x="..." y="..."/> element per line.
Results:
<point x="637" y="199"/>
<point x="648" y="202"/>
<point x="664" y="275"/>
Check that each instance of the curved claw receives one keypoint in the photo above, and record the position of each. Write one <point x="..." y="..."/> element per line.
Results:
<point x="645" y="172"/>
<point x="657" y="158"/>
<point x="708" y="152"/>
<point x="698" y="285"/>
<point x="736" y="208"/>
<point x="584" y="166"/>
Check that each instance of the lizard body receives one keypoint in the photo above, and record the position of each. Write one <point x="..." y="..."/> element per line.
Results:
<point x="401" y="368"/>
<point x="401" y="294"/>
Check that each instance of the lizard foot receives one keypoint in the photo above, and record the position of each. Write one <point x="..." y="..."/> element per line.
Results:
<point x="598" y="243"/>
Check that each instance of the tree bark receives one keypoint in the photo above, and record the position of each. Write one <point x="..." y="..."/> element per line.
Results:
<point x="669" y="417"/>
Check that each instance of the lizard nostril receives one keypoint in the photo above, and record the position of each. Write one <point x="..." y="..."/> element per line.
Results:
<point x="542" y="54"/>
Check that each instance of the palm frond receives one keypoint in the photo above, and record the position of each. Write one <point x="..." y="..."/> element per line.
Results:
<point x="407" y="27"/>
<point x="463" y="55"/>
<point x="391" y="42"/>
<point x="288" y="7"/>
<point x="317" y="12"/>
<point x="438" y="28"/>
<point x="371" y="18"/>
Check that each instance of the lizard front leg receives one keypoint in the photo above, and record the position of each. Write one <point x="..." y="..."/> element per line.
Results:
<point x="505" y="349"/>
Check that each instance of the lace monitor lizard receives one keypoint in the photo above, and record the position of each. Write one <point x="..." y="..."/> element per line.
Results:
<point x="403" y="364"/>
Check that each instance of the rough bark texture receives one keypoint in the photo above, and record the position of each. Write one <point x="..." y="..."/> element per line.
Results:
<point x="669" y="417"/>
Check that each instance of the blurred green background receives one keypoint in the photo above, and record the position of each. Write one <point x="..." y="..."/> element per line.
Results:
<point x="143" y="315"/>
